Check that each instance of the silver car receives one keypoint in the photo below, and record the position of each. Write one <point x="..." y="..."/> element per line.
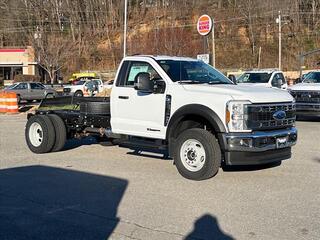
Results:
<point x="30" y="91"/>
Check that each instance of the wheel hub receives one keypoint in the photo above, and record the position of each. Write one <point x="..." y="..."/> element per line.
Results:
<point x="36" y="134"/>
<point x="192" y="154"/>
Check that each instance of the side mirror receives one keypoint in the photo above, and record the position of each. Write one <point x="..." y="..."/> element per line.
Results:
<point x="279" y="83"/>
<point x="233" y="78"/>
<point x="143" y="83"/>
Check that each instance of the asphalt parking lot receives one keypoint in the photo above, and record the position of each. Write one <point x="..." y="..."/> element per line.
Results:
<point x="98" y="192"/>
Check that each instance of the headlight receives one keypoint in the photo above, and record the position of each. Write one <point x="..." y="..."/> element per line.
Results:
<point x="236" y="116"/>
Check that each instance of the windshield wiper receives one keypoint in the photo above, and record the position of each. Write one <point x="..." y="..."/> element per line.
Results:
<point x="216" y="82"/>
<point x="189" y="82"/>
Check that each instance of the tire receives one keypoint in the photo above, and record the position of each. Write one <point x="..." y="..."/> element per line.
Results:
<point x="78" y="93"/>
<point x="39" y="133"/>
<point x="60" y="131"/>
<point x="99" y="108"/>
<point x="197" y="154"/>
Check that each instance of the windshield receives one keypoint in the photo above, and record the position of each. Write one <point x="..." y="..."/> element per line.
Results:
<point x="254" y="78"/>
<point x="80" y="82"/>
<point x="192" y="72"/>
<point x="312" y="77"/>
<point x="12" y="86"/>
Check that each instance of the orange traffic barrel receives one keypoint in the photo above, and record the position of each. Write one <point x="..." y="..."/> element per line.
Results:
<point x="3" y="103"/>
<point x="12" y="102"/>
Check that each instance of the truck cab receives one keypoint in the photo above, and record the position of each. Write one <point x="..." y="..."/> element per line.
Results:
<point x="190" y="110"/>
<point x="264" y="78"/>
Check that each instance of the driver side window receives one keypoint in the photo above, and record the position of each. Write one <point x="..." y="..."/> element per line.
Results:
<point x="139" y="67"/>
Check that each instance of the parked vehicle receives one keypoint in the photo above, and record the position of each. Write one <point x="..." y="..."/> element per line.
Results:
<point x="264" y="78"/>
<point x="30" y="91"/>
<point x="82" y="76"/>
<point x="307" y="95"/>
<point x="108" y="84"/>
<point x="180" y="105"/>
<point x="84" y="88"/>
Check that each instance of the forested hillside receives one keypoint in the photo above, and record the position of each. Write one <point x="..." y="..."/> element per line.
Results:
<point x="87" y="34"/>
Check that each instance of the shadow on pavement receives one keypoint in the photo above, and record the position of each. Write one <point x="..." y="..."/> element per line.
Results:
<point x="75" y="143"/>
<point x="207" y="227"/>
<point x="39" y="202"/>
<point x="317" y="159"/>
<point x="246" y="168"/>
<point x="163" y="155"/>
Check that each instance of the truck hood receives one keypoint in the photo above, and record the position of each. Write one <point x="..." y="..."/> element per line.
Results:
<point x="255" y="84"/>
<point x="305" y="87"/>
<point x="241" y="92"/>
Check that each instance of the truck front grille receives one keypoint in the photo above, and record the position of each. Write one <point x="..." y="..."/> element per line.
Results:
<point x="67" y="90"/>
<point x="264" y="116"/>
<point x="306" y="96"/>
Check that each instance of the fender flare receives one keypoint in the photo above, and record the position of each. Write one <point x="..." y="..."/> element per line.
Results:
<point x="195" y="109"/>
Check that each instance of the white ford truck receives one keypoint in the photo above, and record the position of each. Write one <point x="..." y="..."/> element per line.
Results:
<point x="307" y="95"/>
<point x="182" y="106"/>
<point x="83" y="88"/>
<point x="271" y="78"/>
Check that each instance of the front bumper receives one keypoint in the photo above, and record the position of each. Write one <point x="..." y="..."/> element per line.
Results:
<point x="307" y="109"/>
<point x="258" y="147"/>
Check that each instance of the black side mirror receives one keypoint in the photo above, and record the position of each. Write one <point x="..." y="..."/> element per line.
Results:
<point x="143" y="83"/>
<point x="233" y="78"/>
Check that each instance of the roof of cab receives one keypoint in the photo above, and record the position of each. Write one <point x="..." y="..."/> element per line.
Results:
<point x="267" y="70"/>
<point x="163" y="57"/>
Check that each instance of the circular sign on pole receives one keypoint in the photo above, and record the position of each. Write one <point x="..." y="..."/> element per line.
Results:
<point x="204" y="25"/>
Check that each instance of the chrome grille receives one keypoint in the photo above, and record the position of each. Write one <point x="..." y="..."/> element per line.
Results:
<point x="261" y="116"/>
<point x="66" y="90"/>
<point x="306" y="96"/>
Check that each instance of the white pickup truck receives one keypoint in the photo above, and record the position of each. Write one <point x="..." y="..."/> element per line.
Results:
<point x="83" y="88"/>
<point x="307" y="95"/>
<point x="263" y="78"/>
<point x="183" y="106"/>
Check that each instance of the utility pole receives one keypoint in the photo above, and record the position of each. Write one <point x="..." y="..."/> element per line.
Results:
<point x="213" y="46"/>
<point x="280" y="35"/>
<point x="259" y="58"/>
<point x="125" y="29"/>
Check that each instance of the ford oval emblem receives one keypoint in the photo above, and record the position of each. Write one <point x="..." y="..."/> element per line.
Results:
<point x="279" y="115"/>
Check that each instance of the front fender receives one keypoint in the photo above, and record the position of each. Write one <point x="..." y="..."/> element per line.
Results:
<point x="199" y="110"/>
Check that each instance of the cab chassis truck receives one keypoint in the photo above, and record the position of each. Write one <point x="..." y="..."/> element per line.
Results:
<point x="181" y="105"/>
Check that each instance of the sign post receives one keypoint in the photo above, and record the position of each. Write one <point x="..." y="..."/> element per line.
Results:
<point x="204" y="27"/>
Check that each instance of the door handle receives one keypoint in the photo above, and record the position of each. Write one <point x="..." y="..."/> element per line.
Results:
<point x="123" y="97"/>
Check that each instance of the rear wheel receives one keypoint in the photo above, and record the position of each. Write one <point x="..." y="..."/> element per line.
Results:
<point x="197" y="154"/>
<point x="40" y="134"/>
<point x="18" y="99"/>
<point x="60" y="131"/>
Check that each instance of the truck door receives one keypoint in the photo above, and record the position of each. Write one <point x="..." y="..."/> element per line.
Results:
<point x="134" y="112"/>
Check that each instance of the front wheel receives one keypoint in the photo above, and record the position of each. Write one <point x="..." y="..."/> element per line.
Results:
<point x="197" y="154"/>
<point x="78" y="93"/>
